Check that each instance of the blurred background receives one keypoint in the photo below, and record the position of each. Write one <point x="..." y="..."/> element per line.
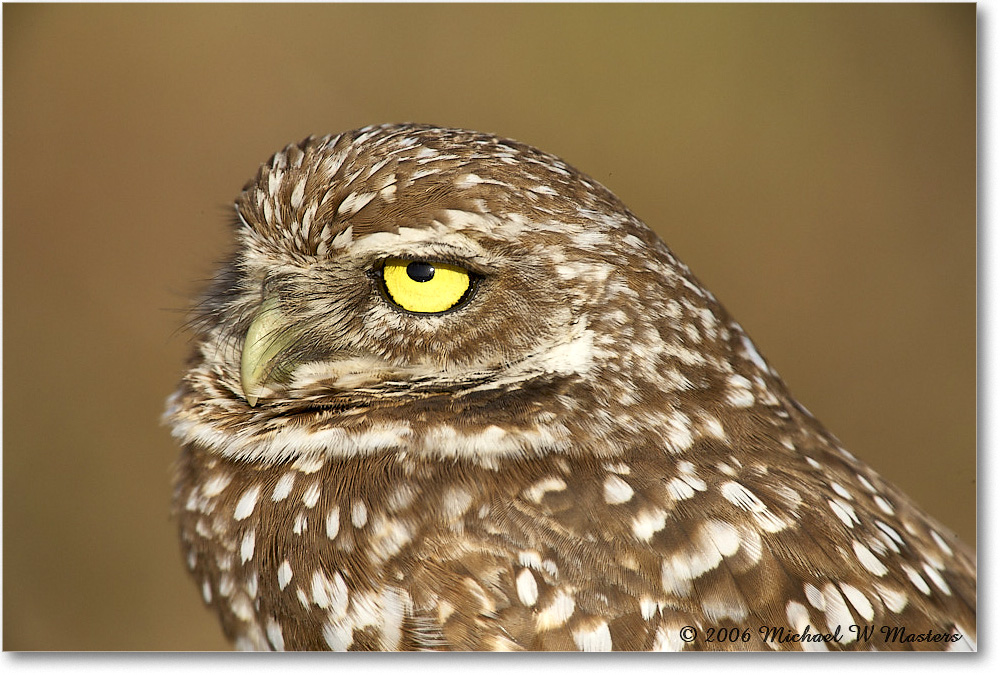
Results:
<point x="814" y="165"/>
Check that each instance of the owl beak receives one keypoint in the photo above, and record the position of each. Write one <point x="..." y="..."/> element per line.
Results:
<point x="266" y="338"/>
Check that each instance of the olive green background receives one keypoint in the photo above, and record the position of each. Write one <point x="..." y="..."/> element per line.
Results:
<point x="814" y="165"/>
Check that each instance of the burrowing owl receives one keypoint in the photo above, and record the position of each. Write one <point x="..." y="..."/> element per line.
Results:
<point x="450" y="393"/>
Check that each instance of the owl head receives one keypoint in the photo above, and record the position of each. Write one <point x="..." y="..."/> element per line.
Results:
<point x="452" y="293"/>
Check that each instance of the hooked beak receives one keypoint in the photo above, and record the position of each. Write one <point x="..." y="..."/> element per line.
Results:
<point x="267" y="337"/>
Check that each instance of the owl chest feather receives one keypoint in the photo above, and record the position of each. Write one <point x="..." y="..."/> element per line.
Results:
<point x="387" y="552"/>
<point x="343" y="554"/>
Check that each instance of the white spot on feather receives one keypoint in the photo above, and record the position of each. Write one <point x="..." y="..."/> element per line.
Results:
<point x="858" y="600"/>
<point x="750" y="351"/>
<point x="648" y="523"/>
<point x="330" y="594"/>
<point x="338" y="636"/>
<point x="247" y="545"/>
<point x="679" y="490"/>
<point x="668" y="640"/>
<point x="837" y="613"/>
<point x="840" y="490"/>
<point x="894" y="599"/>
<point x="247" y="502"/>
<point x="392" y="535"/>
<point x="814" y="596"/>
<point x="283" y="487"/>
<point x="530" y="559"/>
<point x="558" y="611"/>
<point x="527" y="588"/>
<point x="868" y="559"/>
<point x="713" y="427"/>
<point x="843" y="511"/>
<point x="394" y="603"/>
<point x="941" y="543"/>
<point x="598" y="639"/>
<point x="242" y="608"/>
<point x="359" y="514"/>
<point x="889" y="536"/>
<point x="333" y="522"/>
<point x="284" y="574"/>
<point x="226" y="585"/>
<point x="298" y="192"/>
<point x="274" y="636"/>
<point x="713" y="540"/>
<point x="619" y="468"/>
<point x="308" y="464"/>
<point x="867" y="485"/>
<point x="724" y="536"/>
<point x="617" y="491"/>
<point x="311" y="495"/>
<point x="742" y="497"/>
<point x="937" y="579"/>
<point x="551" y="484"/>
<point x="455" y="502"/>
<point x="797" y="615"/>
<point x="884" y="505"/>
<point x="752" y="544"/>
<point x="678" y="433"/>
<point x="354" y="202"/>
<point x="216" y="484"/>
<point x="740" y="395"/>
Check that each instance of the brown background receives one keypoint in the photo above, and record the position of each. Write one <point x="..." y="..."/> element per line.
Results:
<point x="814" y="165"/>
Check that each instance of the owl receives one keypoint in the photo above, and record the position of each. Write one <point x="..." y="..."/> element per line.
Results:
<point x="449" y="393"/>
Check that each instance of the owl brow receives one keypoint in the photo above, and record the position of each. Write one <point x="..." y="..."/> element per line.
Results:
<point x="471" y="266"/>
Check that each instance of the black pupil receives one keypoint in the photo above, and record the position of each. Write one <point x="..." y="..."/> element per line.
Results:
<point x="420" y="271"/>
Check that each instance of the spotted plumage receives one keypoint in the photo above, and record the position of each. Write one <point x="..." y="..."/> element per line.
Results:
<point x="581" y="451"/>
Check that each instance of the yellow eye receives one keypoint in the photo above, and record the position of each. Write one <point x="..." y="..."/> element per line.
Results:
<point x="425" y="287"/>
